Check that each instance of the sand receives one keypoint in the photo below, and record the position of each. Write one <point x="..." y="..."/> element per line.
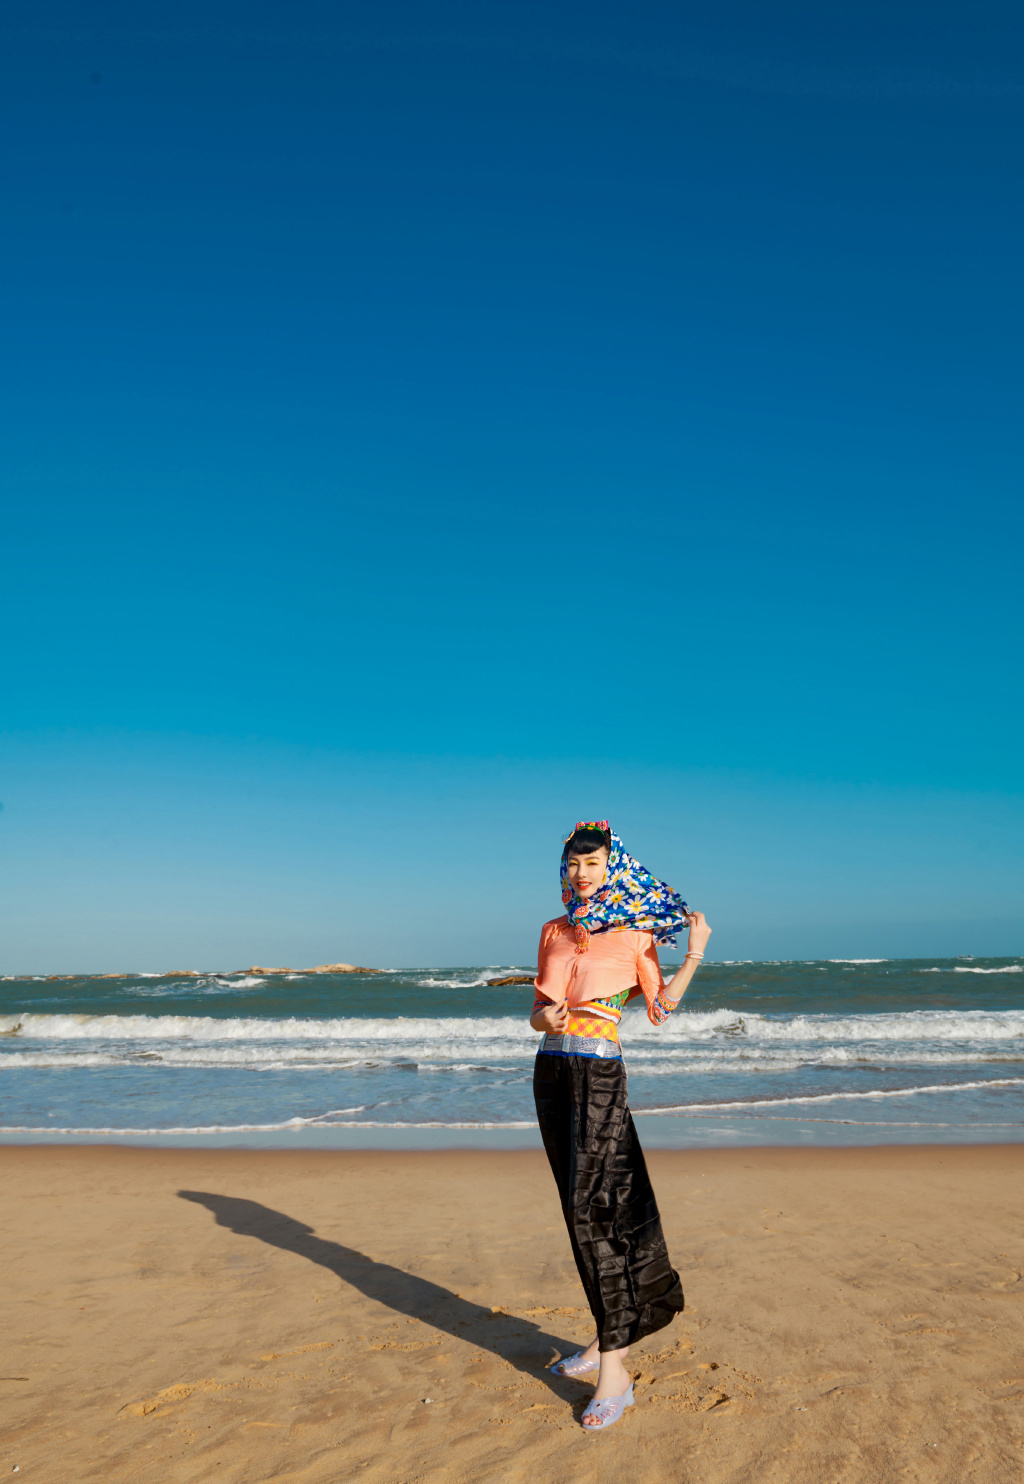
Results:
<point x="175" y="1315"/>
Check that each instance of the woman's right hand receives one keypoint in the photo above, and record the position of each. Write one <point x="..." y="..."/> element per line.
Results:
<point x="552" y="1020"/>
<point x="699" y="933"/>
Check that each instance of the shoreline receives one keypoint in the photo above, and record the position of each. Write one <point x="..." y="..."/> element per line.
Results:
<point x="657" y="1131"/>
<point x="258" y="1315"/>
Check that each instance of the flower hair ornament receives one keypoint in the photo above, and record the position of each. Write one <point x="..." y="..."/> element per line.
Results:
<point x="630" y="897"/>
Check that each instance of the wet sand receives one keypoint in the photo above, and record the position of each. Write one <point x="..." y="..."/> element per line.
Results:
<point x="177" y="1315"/>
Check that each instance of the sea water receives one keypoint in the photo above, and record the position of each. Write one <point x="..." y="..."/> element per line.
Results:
<point x="842" y="1051"/>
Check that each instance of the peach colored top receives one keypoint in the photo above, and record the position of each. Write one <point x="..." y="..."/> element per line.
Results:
<point x="615" y="961"/>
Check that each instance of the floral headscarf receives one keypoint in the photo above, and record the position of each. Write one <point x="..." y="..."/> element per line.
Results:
<point x="629" y="898"/>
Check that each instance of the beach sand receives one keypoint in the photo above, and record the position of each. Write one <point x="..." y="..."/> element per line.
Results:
<point x="172" y="1315"/>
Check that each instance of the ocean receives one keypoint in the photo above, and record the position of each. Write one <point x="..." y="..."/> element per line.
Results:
<point x="835" y="1052"/>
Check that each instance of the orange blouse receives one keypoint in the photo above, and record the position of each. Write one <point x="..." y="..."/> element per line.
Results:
<point x="615" y="961"/>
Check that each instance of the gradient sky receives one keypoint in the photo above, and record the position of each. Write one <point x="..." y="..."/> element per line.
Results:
<point x="427" y="422"/>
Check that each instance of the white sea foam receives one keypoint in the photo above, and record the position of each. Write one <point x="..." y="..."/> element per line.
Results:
<point x="12" y="1060"/>
<point x="465" y="1056"/>
<point x="452" y="983"/>
<point x="240" y="1028"/>
<point x="290" y="1124"/>
<point x="197" y="987"/>
<point x="918" y="1025"/>
<point x="511" y="1033"/>
<point x="333" y="1119"/>
<point x="251" y="1058"/>
<point x="791" y="1059"/>
<point x="970" y="969"/>
<point x="872" y="1094"/>
<point x="478" y="983"/>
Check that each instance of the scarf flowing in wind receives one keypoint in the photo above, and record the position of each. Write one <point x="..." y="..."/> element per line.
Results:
<point x="630" y="898"/>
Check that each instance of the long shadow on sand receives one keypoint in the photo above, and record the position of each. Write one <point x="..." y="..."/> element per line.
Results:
<point x="519" y="1341"/>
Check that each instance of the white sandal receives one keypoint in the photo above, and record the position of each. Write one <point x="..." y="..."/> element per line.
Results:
<point x="574" y="1365"/>
<point x="607" y="1411"/>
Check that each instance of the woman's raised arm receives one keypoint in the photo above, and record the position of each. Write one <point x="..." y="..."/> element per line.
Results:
<point x="698" y="939"/>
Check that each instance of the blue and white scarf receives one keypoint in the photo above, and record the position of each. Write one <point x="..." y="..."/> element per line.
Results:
<point x="630" y="897"/>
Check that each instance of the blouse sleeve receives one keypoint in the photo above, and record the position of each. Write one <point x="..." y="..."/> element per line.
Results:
<point x="540" y="1000"/>
<point x="650" y="980"/>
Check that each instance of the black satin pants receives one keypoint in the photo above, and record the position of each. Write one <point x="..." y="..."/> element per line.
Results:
<point x="606" y="1195"/>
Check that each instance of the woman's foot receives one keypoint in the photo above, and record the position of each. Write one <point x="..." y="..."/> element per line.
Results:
<point x="613" y="1380"/>
<point x="598" y="1415"/>
<point x="593" y="1352"/>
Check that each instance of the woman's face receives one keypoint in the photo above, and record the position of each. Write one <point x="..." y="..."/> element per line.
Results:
<point x="587" y="872"/>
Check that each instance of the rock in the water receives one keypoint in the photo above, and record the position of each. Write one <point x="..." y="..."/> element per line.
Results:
<point x="341" y="969"/>
<point x="319" y="969"/>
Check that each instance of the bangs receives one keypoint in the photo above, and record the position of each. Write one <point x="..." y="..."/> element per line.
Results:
<point x="585" y="842"/>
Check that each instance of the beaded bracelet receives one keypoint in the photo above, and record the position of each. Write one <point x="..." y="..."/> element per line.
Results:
<point x="695" y="955"/>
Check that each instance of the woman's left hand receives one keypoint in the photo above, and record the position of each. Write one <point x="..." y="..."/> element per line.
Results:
<point x="699" y="932"/>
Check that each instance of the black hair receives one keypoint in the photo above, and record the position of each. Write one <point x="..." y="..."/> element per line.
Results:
<point x="585" y="841"/>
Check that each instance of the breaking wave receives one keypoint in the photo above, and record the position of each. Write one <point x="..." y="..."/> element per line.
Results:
<point x="963" y="1026"/>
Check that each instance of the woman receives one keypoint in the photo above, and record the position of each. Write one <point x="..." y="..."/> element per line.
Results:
<point x="592" y="961"/>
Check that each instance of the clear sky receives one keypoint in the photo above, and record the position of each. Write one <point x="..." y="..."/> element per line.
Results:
<point x="425" y="423"/>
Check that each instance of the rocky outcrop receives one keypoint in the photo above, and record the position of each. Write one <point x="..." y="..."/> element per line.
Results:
<point x="340" y="969"/>
<point x="319" y="969"/>
<point x="512" y="979"/>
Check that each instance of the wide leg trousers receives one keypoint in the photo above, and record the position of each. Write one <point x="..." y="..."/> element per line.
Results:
<point x="606" y="1195"/>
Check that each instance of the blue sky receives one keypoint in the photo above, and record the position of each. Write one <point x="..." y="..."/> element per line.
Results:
<point x="485" y="414"/>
